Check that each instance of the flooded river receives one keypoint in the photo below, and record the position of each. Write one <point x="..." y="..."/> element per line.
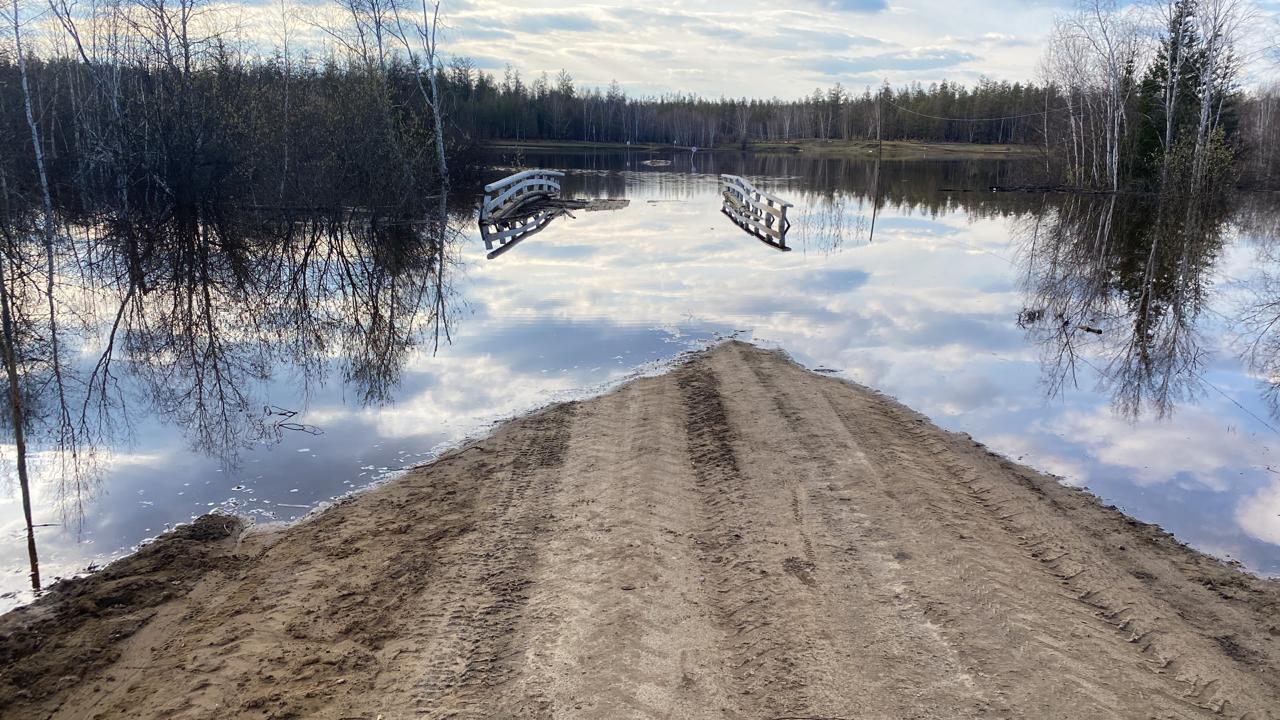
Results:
<point x="1044" y="326"/>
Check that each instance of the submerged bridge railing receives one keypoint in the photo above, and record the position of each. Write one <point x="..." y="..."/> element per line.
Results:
<point x="756" y="211"/>
<point x="510" y="230"/>
<point x="503" y="197"/>
<point x="524" y="204"/>
<point x="518" y="206"/>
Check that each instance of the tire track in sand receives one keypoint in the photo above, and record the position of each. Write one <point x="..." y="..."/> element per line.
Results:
<point x="1002" y="599"/>
<point x="1128" y="623"/>
<point x="629" y="632"/>
<point x="738" y="538"/>
<point x="875" y="652"/>
<point x="473" y="655"/>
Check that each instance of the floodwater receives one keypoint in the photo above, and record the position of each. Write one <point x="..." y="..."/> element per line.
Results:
<point x="1044" y="326"/>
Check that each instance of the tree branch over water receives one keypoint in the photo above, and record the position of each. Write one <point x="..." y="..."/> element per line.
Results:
<point x="201" y="216"/>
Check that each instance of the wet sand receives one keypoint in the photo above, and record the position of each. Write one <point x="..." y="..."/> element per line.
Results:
<point x="738" y="538"/>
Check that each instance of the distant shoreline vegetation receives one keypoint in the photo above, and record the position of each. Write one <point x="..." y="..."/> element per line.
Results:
<point x="891" y="149"/>
<point x="144" y="92"/>
<point x="1127" y="99"/>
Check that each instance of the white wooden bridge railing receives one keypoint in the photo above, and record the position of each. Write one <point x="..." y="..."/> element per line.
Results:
<point x="756" y="211"/>
<point x="508" y="232"/>
<point x="510" y="192"/>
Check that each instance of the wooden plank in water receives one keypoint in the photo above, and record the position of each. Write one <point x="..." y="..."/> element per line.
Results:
<point x="759" y="213"/>
<point x="753" y="223"/>
<point x="740" y="183"/>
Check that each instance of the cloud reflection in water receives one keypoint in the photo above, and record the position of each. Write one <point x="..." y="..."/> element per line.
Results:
<point x="927" y="312"/>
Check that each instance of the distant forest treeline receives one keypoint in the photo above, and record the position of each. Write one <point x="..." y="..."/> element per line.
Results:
<point x="990" y="112"/>
<point x="554" y="109"/>
<point x="156" y="99"/>
<point x="1129" y="97"/>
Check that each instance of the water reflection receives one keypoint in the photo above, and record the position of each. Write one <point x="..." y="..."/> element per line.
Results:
<point x="508" y="229"/>
<point x="223" y="305"/>
<point x="336" y="317"/>
<point x="1256" y="314"/>
<point x="184" y="318"/>
<point x="1120" y="283"/>
<point x="757" y="213"/>
<point x="930" y="188"/>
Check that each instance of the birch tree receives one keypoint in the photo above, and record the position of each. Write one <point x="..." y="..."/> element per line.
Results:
<point x="1176" y="69"/>
<point x="1221" y="23"/>
<point x="10" y="344"/>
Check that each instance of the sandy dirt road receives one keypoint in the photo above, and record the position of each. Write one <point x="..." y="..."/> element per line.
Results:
<point x="739" y="538"/>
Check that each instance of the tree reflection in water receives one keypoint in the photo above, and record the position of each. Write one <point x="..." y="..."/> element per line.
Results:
<point x="187" y="314"/>
<point x="1256" y="319"/>
<point x="191" y="313"/>
<point x="1118" y="283"/>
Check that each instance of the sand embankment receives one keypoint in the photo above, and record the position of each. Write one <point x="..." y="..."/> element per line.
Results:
<point x="739" y="538"/>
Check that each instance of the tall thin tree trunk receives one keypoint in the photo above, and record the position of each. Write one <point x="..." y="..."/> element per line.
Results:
<point x="49" y="231"/>
<point x="1173" y="84"/>
<point x="1047" y="170"/>
<point x="19" y="421"/>
<point x="436" y="114"/>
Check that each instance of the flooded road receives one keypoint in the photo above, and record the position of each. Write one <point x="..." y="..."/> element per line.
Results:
<point x="1011" y="316"/>
<point x="736" y="538"/>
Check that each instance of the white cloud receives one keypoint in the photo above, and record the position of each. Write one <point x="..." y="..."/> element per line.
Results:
<point x="1036" y="453"/>
<point x="1154" y="452"/>
<point x="645" y="48"/>
<point x="1259" y="514"/>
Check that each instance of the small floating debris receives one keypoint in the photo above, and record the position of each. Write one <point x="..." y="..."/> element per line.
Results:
<point x="604" y="204"/>
<point x="656" y="163"/>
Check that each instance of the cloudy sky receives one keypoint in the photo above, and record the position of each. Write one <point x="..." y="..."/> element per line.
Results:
<point x="753" y="48"/>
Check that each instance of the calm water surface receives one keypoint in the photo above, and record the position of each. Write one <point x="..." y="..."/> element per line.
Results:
<point x="1009" y="316"/>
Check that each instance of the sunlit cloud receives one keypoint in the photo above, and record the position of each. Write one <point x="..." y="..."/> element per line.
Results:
<point x="1259" y="514"/>
<point x="754" y="49"/>
<point x="856" y="6"/>
<point x="1154" y="452"/>
<point x="734" y="53"/>
<point x="836" y="65"/>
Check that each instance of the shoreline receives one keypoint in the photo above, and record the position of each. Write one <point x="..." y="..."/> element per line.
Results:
<point x="893" y="149"/>
<point x="641" y="533"/>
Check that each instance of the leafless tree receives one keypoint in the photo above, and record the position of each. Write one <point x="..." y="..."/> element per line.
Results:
<point x="1221" y="24"/>
<point x="1100" y="291"/>
<point x="10" y="265"/>
<point x="1092" y="57"/>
